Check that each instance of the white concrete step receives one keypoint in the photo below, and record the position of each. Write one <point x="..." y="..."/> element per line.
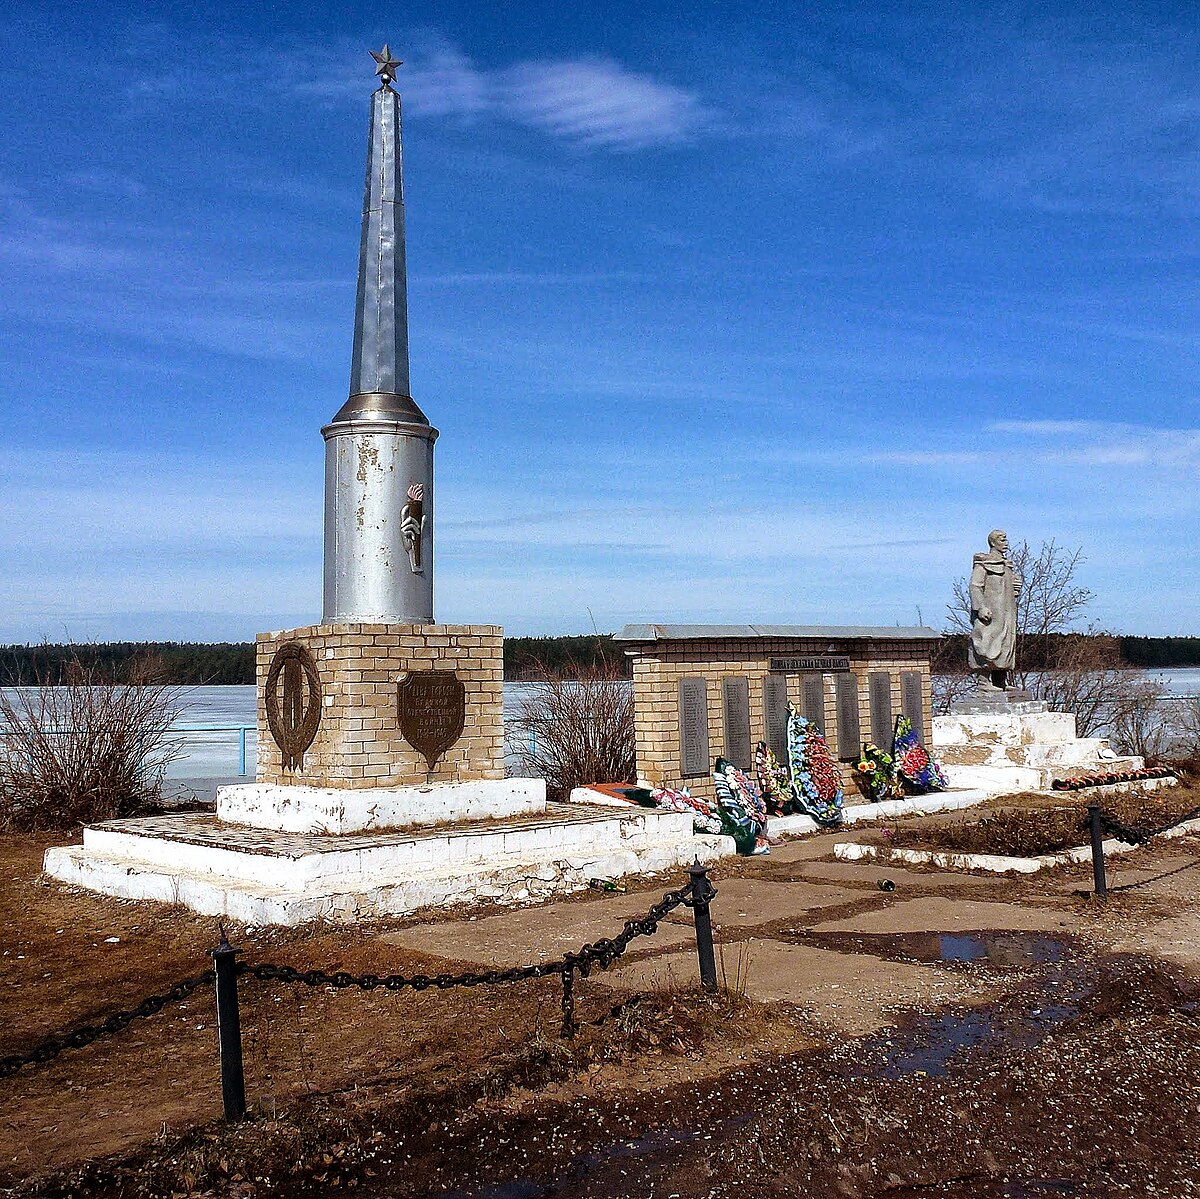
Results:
<point x="262" y="877"/>
<point x="200" y="844"/>
<point x="981" y="728"/>
<point x="1002" y="779"/>
<point x="302" y="809"/>
<point x="1081" y="751"/>
<point x="260" y="903"/>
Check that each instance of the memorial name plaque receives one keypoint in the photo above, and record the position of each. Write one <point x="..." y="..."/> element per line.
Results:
<point x="912" y="700"/>
<point x="693" y="726"/>
<point x="736" y="696"/>
<point x="775" y="702"/>
<point x="812" y="700"/>
<point x="432" y="709"/>
<point x="849" y="729"/>
<point x="881" y="709"/>
<point x="820" y="662"/>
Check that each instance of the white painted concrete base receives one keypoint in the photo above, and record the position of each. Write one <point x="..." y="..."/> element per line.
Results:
<point x="300" y="809"/>
<point x="268" y="877"/>
<point x="1007" y="752"/>
<point x="916" y="805"/>
<point x="852" y="851"/>
<point x="797" y="826"/>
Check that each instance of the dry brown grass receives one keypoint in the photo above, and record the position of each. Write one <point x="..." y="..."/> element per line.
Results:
<point x="1027" y="832"/>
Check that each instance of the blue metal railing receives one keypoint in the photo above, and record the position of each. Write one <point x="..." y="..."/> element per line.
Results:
<point x="242" y="730"/>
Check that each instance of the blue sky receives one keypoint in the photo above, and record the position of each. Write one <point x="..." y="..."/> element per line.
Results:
<point x="758" y="312"/>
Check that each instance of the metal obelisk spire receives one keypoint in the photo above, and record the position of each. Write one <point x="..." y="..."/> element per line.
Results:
<point x="379" y="446"/>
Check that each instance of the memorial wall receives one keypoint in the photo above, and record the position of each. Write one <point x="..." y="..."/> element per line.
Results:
<point x="706" y="690"/>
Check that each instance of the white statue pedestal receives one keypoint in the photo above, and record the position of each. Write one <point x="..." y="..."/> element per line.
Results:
<point x="300" y="809"/>
<point x="1022" y="747"/>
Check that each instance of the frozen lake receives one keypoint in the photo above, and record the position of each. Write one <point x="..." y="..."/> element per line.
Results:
<point x="214" y="753"/>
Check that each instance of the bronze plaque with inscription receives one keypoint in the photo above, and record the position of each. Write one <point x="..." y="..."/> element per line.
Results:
<point x="432" y="709"/>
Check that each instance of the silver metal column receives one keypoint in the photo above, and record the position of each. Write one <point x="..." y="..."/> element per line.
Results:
<point x="379" y="507"/>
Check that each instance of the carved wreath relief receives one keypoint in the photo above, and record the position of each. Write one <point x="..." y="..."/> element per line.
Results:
<point x="432" y="710"/>
<point x="294" y="721"/>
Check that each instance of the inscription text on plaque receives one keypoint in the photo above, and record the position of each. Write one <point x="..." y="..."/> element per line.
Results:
<point x="818" y="662"/>
<point x="431" y="709"/>
<point x="693" y="726"/>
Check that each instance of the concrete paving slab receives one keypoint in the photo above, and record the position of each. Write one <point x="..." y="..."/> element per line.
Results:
<point x="850" y="991"/>
<point x="744" y="902"/>
<point x="805" y="849"/>
<point x="905" y="880"/>
<point x="516" y="938"/>
<point x="934" y="914"/>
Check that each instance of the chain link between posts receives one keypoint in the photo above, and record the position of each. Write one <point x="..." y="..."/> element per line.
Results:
<point x="602" y="953"/>
<point x="85" y="1034"/>
<point x="1136" y="836"/>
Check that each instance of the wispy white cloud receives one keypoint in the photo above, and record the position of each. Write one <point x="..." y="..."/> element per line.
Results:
<point x="588" y="101"/>
<point x="599" y="102"/>
<point x="1085" y="443"/>
<point x="1106" y="443"/>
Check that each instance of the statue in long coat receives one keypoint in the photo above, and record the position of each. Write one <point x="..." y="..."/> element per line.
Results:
<point x="995" y="586"/>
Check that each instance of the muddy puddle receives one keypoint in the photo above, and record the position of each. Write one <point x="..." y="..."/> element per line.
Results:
<point x="999" y="949"/>
<point x="792" y="1114"/>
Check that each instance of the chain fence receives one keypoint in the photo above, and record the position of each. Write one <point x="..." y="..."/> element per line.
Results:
<point x="602" y="953"/>
<point x="1114" y="827"/>
<point x="1101" y="822"/>
<point x="697" y="894"/>
<point x="83" y="1035"/>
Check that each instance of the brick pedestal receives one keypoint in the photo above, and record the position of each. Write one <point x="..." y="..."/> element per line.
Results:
<point x="359" y="743"/>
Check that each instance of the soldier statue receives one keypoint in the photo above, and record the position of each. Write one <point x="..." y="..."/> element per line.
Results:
<point x="995" y="586"/>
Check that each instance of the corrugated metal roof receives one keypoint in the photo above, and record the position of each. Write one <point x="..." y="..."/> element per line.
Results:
<point x="831" y="632"/>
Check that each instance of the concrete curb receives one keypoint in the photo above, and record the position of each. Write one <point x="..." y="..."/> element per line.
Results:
<point x="853" y="851"/>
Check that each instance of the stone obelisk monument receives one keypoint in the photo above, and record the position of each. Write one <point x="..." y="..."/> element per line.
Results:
<point x="375" y="722"/>
<point x="379" y="446"/>
<point x="377" y="695"/>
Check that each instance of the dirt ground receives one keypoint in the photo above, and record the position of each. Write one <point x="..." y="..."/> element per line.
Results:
<point x="960" y="1035"/>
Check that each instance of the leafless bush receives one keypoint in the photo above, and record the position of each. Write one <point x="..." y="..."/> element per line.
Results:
<point x="576" y="727"/>
<point x="88" y="749"/>
<point x="1183" y="744"/>
<point x="952" y="681"/>
<point x="1146" y="723"/>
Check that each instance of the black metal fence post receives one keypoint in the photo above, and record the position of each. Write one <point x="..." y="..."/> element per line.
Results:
<point x="568" y="1000"/>
<point x="702" y="894"/>
<point x="1097" y="831"/>
<point x="229" y="1030"/>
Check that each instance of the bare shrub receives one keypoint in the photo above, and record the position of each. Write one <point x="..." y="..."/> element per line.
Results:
<point x="952" y="681"/>
<point x="576" y="727"/>
<point x="1183" y="742"/>
<point x="87" y="749"/>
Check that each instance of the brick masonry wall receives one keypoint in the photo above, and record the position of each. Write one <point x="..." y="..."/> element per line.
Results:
<point x="359" y="743"/>
<point x="658" y="667"/>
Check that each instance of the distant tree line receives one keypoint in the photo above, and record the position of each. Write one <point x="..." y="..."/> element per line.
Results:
<point x="534" y="657"/>
<point x="175" y="662"/>
<point x="1161" y="651"/>
<point x="195" y="663"/>
<point x="1041" y="652"/>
